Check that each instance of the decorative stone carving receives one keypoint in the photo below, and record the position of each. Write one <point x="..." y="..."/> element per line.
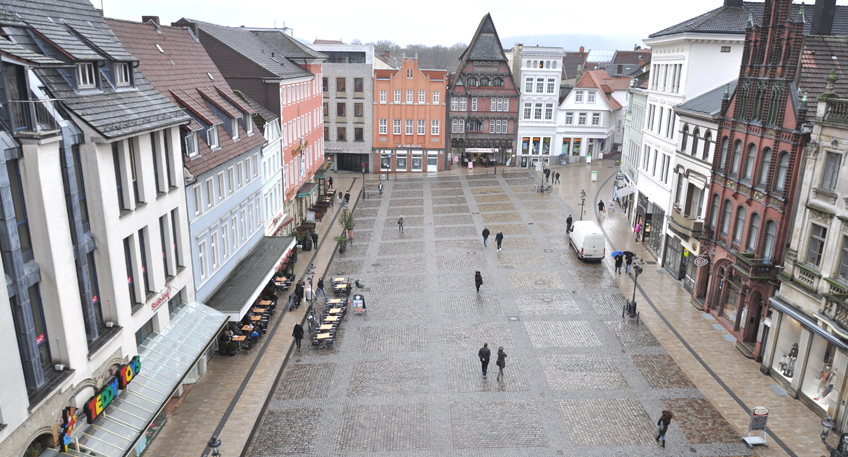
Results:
<point x="820" y="216"/>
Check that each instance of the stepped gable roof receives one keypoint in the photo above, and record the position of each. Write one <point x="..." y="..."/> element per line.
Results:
<point x="251" y="47"/>
<point x="708" y="103"/>
<point x="486" y="45"/>
<point x="289" y="47"/>
<point x="730" y="19"/>
<point x="570" y="62"/>
<point x="596" y="79"/>
<point x="185" y="73"/>
<point x="73" y="31"/>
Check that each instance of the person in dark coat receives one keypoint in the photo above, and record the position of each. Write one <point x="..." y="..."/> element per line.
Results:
<point x="662" y="426"/>
<point x="569" y="220"/>
<point x="314" y="240"/>
<point x="485" y="235"/>
<point x="321" y="288"/>
<point x="499" y="239"/>
<point x="330" y="182"/>
<point x="501" y="363"/>
<point x="547" y="174"/>
<point x="297" y="333"/>
<point x="347" y="197"/>
<point x="600" y="206"/>
<point x="478" y="280"/>
<point x="628" y="260"/>
<point x="298" y="292"/>
<point x="484" y="353"/>
<point x="619" y="259"/>
<point x="557" y="178"/>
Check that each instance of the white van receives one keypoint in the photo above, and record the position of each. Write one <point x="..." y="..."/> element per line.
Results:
<point x="588" y="240"/>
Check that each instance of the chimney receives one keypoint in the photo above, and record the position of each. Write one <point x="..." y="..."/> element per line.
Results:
<point x="581" y="49"/>
<point x="386" y="54"/>
<point x="733" y="3"/>
<point x="147" y="19"/>
<point x="823" y="13"/>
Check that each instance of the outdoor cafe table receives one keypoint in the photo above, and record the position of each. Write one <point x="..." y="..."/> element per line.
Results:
<point x="323" y="336"/>
<point x="258" y="310"/>
<point x="338" y="280"/>
<point x="325" y="327"/>
<point x="265" y="303"/>
<point x="335" y="310"/>
<point x="255" y="318"/>
<point x="331" y="318"/>
<point x="239" y="338"/>
<point x="336" y="301"/>
<point x="245" y="328"/>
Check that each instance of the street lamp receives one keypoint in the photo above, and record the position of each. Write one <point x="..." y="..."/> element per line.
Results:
<point x="214" y="443"/>
<point x="630" y="306"/>
<point x="838" y="451"/>
<point x="582" y="202"/>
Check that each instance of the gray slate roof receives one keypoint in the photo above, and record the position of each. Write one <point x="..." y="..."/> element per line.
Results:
<point x="76" y="26"/>
<point x="708" y="103"/>
<point x="486" y="45"/>
<point x="244" y="42"/>
<point x="727" y="19"/>
<point x="22" y="53"/>
<point x="288" y="46"/>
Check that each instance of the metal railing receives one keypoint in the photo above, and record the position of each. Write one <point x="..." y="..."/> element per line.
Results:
<point x="33" y="117"/>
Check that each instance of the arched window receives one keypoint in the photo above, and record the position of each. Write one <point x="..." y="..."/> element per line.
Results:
<point x="708" y="138"/>
<point x="541" y="64"/>
<point x="553" y="64"/>
<point x="714" y="212"/>
<point x="725" y="223"/>
<point x="535" y="63"/>
<point x="749" y="161"/>
<point x="755" y="233"/>
<point x="725" y="142"/>
<point x="737" y="157"/>
<point x="498" y="82"/>
<point x="782" y="171"/>
<point x="696" y="134"/>
<point x="740" y="225"/>
<point x="771" y="233"/>
<point x="685" y="138"/>
<point x="764" y="168"/>
<point x="472" y="81"/>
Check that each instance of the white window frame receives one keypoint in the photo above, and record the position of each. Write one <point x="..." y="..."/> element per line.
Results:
<point x="122" y="74"/>
<point x="204" y="268"/>
<point x="397" y="95"/>
<point x="422" y="127"/>
<point x="463" y="104"/>
<point x="231" y="180"/>
<point x="528" y="85"/>
<point x="454" y="104"/>
<point x="213" y="251"/>
<point x="210" y="193"/>
<point x="220" y="186"/>
<point x="396" y="127"/>
<point x="198" y="200"/>
<point x="474" y="104"/>
<point x="212" y="137"/>
<point x="596" y="118"/>
<point x="434" y="127"/>
<point x="551" y="88"/>
<point x="384" y="126"/>
<point x="408" y="96"/>
<point x="581" y="118"/>
<point x="422" y="97"/>
<point x="578" y="96"/>
<point x="569" y="118"/>
<point x="247" y="169"/>
<point x="191" y="144"/>
<point x="86" y="75"/>
<point x="409" y="130"/>
<point x="234" y="127"/>
<point x="435" y="97"/>
<point x="382" y="97"/>
<point x="591" y="97"/>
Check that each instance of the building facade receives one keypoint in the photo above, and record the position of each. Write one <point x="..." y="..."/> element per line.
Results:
<point x="483" y="81"/>
<point x="538" y="70"/>
<point x="634" y="119"/>
<point x="409" y="108"/>
<point x="348" y="90"/>
<point x="104" y="280"/>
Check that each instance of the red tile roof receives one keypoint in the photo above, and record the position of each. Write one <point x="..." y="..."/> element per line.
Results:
<point x="185" y="73"/>
<point x="598" y="79"/>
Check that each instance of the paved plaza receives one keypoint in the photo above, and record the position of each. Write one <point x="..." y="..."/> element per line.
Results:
<point x="404" y="379"/>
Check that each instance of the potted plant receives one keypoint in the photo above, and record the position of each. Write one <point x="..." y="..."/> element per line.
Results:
<point x="301" y="237"/>
<point x="348" y="222"/>
<point x="341" y="239"/>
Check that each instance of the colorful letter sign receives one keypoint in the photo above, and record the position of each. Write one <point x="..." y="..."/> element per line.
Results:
<point x="69" y="419"/>
<point x="96" y="404"/>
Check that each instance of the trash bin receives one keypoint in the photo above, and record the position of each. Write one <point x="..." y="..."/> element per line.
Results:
<point x="631" y="308"/>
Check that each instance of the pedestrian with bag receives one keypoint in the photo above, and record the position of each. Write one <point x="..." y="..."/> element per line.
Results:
<point x="637" y="230"/>
<point x="499" y="239"/>
<point x="501" y="363"/>
<point x="662" y="426"/>
<point x="478" y="280"/>
<point x="400" y="224"/>
<point x="628" y="260"/>
<point x="485" y="235"/>
<point x="557" y="178"/>
<point x="484" y="354"/>
<point x="297" y="333"/>
<point x="547" y="174"/>
<point x="601" y="208"/>
<point x="618" y="261"/>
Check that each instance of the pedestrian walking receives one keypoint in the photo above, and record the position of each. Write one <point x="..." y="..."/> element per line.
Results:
<point x="380" y="188"/>
<point x="321" y="288"/>
<point x="484" y="353"/>
<point x="330" y="182"/>
<point x="547" y="174"/>
<point x="400" y="224"/>
<point x="557" y="177"/>
<point x="347" y="197"/>
<point x="662" y="425"/>
<point x="297" y="334"/>
<point x="478" y="280"/>
<point x="637" y="230"/>
<point x="499" y="239"/>
<point x="315" y="239"/>
<point x="628" y="260"/>
<point x="601" y="207"/>
<point x="569" y="221"/>
<point x="298" y="293"/>
<point x="485" y="235"/>
<point x="340" y="197"/>
<point x="619" y="259"/>
<point x="501" y="363"/>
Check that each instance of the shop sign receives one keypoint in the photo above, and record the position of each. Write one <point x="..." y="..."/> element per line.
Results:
<point x="759" y="418"/>
<point x="408" y="146"/>
<point x="165" y="296"/>
<point x="478" y="150"/>
<point x="69" y="420"/>
<point x="333" y="148"/>
<point x="95" y="405"/>
<point x="702" y="261"/>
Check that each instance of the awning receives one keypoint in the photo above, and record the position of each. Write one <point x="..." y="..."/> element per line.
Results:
<point x="238" y="293"/>
<point x="321" y="173"/>
<point x="625" y="191"/>
<point x="697" y="180"/>
<point x="165" y="358"/>
<point x="786" y="308"/>
<point x="306" y="189"/>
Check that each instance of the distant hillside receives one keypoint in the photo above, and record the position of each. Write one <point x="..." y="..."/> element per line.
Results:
<point x="573" y="41"/>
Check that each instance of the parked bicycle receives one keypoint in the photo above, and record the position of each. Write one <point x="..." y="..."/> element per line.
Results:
<point x="542" y="188"/>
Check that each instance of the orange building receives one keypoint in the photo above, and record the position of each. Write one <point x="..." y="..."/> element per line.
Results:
<point x="409" y="113"/>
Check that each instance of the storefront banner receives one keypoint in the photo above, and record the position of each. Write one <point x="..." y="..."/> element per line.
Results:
<point x="96" y="404"/>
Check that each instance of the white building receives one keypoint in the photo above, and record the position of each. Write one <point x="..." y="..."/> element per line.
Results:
<point x="587" y="119"/>
<point x="537" y="72"/>
<point x="688" y="59"/>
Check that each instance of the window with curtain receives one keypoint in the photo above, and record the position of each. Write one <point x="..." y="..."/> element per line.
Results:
<point x="724" y="144"/>
<point x="764" y="168"/>
<point x="831" y="170"/>
<point x="782" y="171"/>
<point x="737" y="157"/>
<point x="708" y="137"/>
<point x="749" y="161"/>
<point x="771" y="233"/>
<point x="714" y="212"/>
<point x="725" y="223"/>
<point x="740" y="225"/>
<point x="755" y="233"/>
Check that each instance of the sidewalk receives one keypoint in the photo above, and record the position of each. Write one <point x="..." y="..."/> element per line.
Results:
<point x="244" y="382"/>
<point x="725" y="376"/>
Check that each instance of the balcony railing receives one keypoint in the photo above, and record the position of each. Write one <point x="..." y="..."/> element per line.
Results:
<point x="691" y="227"/>
<point x="836" y="111"/>
<point x="752" y="267"/>
<point x="33" y="118"/>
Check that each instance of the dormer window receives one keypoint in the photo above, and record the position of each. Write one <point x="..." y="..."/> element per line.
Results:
<point x="86" y="76"/>
<point x="212" y="137"/>
<point x="122" y="74"/>
<point x="234" y="126"/>
<point x="191" y="144"/>
<point x="248" y="122"/>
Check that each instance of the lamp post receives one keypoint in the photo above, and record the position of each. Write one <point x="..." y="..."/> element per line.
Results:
<point x="582" y="202"/>
<point x="840" y="449"/>
<point x="630" y="306"/>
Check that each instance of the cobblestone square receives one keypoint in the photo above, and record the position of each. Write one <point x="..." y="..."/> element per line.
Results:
<point x="393" y="234"/>
<point x="582" y="372"/>
<point x="408" y="186"/>
<point x="554" y="228"/>
<point x="401" y="248"/>
<point x="453" y="200"/>
<point x="454" y="209"/>
<point x="630" y="335"/>
<point x="543" y="206"/>
<point x="483" y="183"/>
<point x="305" y="380"/>
<point x="287" y="432"/>
<point x="392" y="338"/>
<point x="397" y="194"/>
<point x="518" y="243"/>
<point x="486" y="190"/>
<point x="625" y="422"/>
<point x="388" y="266"/>
<point x="354" y="250"/>
<point x="545" y="304"/>
<point x="446" y="185"/>
<point x="400" y="202"/>
<point x="606" y="304"/>
<point x="501" y="217"/>
<point x="700" y="421"/>
<point x="522" y="260"/>
<point x="472" y="337"/>
<point x="464" y="231"/>
<point x="549" y="215"/>
<point x="408" y="221"/>
<point x="461" y="262"/>
<point x="463" y="305"/>
<point x="496" y="425"/>
<point x="458" y="246"/>
<point x="570" y="334"/>
<point x="350" y="267"/>
<point x="455" y="219"/>
<point x="384" y="428"/>
<point x="491" y="198"/>
<point x="536" y="280"/>
<point x="660" y="371"/>
<point x="366" y="212"/>
<point x="508" y="229"/>
<point x="387" y="377"/>
<point x="405" y="211"/>
<point x="465" y="374"/>
<point x="447" y="193"/>
<point x="363" y="224"/>
<point x="392" y="284"/>
<point x="493" y="207"/>
<point x="599" y="278"/>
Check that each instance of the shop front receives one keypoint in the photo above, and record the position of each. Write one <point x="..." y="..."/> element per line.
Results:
<point x="408" y="160"/>
<point x="535" y="149"/>
<point x="127" y="412"/>
<point x="655" y="229"/>
<point x="808" y="360"/>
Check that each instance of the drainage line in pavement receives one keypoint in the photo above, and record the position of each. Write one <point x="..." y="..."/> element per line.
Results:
<point x="268" y="337"/>
<point x="686" y="344"/>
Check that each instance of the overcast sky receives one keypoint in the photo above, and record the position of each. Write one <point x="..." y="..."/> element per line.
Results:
<point x="441" y="22"/>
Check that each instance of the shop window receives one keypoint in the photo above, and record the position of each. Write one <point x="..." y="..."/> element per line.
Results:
<point x="731" y="305"/>
<point x="145" y="332"/>
<point x="786" y="349"/>
<point x="401" y="162"/>
<point x="820" y="373"/>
